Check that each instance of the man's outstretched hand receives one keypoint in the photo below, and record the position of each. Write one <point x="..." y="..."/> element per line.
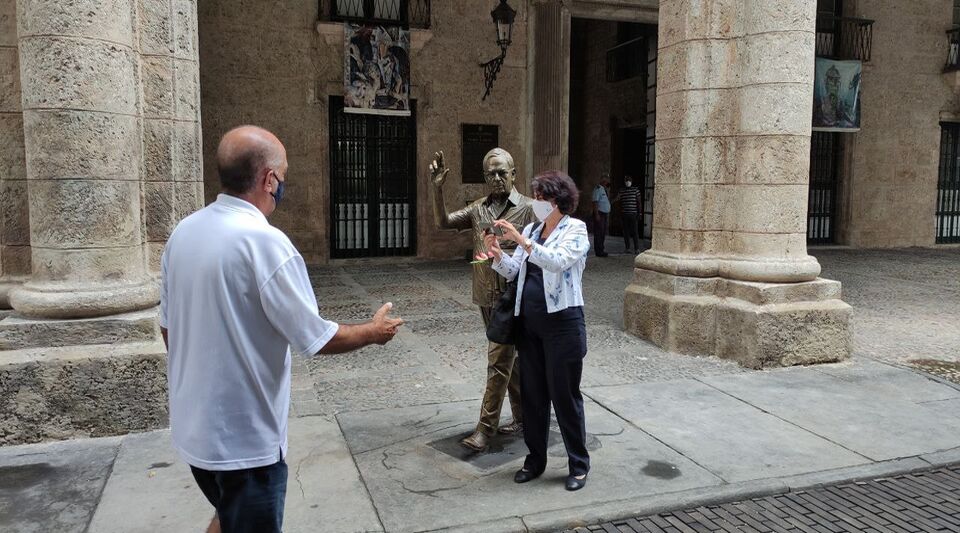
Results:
<point x="384" y="326"/>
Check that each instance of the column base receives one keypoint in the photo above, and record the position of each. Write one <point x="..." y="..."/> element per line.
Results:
<point x="63" y="300"/>
<point x="756" y="324"/>
<point x="7" y="285"/>
<point x="18" y="333"/>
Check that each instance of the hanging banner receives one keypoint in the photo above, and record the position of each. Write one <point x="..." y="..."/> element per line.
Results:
<point x="836" y="95"/>
<point x="376" y="73"/>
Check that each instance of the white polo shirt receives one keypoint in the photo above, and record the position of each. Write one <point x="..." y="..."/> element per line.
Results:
<point x="235" y="296"/>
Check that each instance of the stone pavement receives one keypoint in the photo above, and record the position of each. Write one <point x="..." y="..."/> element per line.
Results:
<point x="923" y="501"/>
<point x="373" y="434"/>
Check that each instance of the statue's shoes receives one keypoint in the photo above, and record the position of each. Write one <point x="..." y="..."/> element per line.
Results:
<point x="512" y="428"/>
<point x="477" y="442"/>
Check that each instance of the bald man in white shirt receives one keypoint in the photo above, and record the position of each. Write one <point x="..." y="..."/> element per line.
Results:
<point x="235" y="297"/>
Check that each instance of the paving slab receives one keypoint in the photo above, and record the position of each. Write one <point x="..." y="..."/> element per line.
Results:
<point x="728" y="437"/>
<point x="53" y="487"/>
<point x="879" y="423"/>
<point x="324" y="489"/>
<point x="418" y="483"/>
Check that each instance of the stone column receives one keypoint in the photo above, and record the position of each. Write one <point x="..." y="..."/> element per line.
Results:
<point x="551" y="85"/>
<point x="80" y="95"/>
<point x="728" y="272"/>
<point x="170" y="75"/>
<point x="14" y="215"/>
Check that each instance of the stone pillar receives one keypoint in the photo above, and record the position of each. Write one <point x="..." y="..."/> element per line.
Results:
<point x="551" y="85"/>
<point x="728" y="273"/>
<point x="170" y="75"/>
<point x="80" y="94"/>
<point x="14" y="214"/>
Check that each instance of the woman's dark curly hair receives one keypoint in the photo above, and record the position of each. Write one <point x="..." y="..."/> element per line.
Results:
<point x="557" y="186"/>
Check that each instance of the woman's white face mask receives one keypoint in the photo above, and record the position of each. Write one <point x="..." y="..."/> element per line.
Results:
<point x="542" y="209"/>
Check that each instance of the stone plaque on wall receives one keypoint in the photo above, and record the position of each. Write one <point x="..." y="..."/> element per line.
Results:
<point x="478" y="139"/>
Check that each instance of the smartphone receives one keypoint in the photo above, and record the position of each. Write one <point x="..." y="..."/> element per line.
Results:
<point x="488" y="226"/>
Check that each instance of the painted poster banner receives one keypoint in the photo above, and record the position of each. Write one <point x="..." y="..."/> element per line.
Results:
<point x="376" y="70"/>
<point x="836" y="95"/>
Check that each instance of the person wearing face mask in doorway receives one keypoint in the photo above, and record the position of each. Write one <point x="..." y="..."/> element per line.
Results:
<point x="629" y="200"/>
<point x="548" y="265"/>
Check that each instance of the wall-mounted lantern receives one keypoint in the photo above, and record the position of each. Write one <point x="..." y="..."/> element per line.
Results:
<point x="503" y="17"/>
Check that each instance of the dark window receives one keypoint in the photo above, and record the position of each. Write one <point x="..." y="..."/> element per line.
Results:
<point x="373" y="183"/>
<point x="948" y="186"/>
<point x="956" y="12"/>
<point x="825" y="154"/>
<point x="628" y="59"/>
<point x="408" y="13"/>
<point x="477" y="139"/>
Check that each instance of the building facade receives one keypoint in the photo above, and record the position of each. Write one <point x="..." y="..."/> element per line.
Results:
<point x="110" y="112"/>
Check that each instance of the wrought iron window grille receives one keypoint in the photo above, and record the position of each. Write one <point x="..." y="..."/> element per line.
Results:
<point x="948" y="186"/>
<point x="844" y="38"/>
<point x="405" y="13"/>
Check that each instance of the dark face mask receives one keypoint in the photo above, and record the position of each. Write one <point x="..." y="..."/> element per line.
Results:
<point x="278" y="194"/>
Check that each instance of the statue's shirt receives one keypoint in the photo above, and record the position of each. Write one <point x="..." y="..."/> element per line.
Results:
<point x="518" y="210"/>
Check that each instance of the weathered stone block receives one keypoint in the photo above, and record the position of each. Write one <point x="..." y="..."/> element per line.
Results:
<point x="155" y="27"/>
<point x="768" y="16"/>
<point x="765" y="209"/>
<point x="110" y="20"/>
<point x="185" y="29"/>
<point x="158" y="140"/>
<point x="773" y="160"/>
<point x="82" y="392"/>
<point x="187" y="98"/>
<point x="699" y="64"/>
<point x="14" y="213"/>
<point x="158" y="208"/>
<point x="682" y="20"/>
<point x="157" y="77"/>
<point x="800" y="323"/>
<point x="101" y="146"/>
<point x="775" y="109"/>
<point x="16" y="260"/>
<point x="13" y="163"/>
<point x="91" y="75"/>
<point x="187" y="152"/>
<point x="89" y="267"/>
<point x="188" y="197"/>
<point x="8" y="23"/>
<point x="9" y="80"/>
<point x="84" y="214"/>
<point x="698" y="113"/>
<point x="17" y="333"/>
<point x="782" y="57"/>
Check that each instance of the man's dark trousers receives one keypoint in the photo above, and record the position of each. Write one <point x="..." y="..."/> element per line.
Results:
<point x="631" y="231"/>
<point x="247" y="501"/>
<point x="601" y="221"/>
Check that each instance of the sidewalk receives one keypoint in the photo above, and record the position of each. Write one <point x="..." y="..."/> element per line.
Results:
<point x="655" y="446"/>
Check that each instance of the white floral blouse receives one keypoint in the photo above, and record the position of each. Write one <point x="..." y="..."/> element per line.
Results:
<point x="562" y="257"/>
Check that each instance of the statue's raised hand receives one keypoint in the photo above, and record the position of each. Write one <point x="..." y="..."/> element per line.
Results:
<point x="438" y="170"/>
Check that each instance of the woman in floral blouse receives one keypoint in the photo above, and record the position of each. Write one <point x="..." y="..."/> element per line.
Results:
<point x="548" y="266"/>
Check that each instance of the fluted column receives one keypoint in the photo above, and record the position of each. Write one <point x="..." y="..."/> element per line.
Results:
<point x="729" y="267"/>
<point x="551" y="85"/>
<point x="14" y="215"/>
<point x="80" y="95"/>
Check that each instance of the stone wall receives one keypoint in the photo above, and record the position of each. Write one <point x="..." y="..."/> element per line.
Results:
<point x="14" y="209"/>
<point x="889" y="186"/>
<point x="271" y="64"/>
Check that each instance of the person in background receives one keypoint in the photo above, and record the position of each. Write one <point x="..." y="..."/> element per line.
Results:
<point x="601" y="215"/>
<point x="629" y="200"/>
<point x="548" y="265"/>
<point x="234" y="298"/>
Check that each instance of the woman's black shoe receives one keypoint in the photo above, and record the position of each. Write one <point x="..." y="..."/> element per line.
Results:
<point x="575" y="484"/>
<point x="522" y="476"/>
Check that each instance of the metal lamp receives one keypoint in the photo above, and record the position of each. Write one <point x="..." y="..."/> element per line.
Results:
<point x="503" y="17"/>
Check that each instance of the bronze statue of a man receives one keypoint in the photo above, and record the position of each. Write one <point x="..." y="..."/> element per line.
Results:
<point x="502" y="202"/>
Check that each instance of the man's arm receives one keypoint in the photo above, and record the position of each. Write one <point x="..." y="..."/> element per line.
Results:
<point x="350" y="337"/>
<point x="459" y="220"/>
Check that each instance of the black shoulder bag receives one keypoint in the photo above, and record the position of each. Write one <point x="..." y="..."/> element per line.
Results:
<point x="502" y="328"/>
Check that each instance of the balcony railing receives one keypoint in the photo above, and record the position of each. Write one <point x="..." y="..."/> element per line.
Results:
<point x="844" y="38"/>
<point x="627" y="60"/>
<point x="406" y="13"/>
<point x="953" y="50"/>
